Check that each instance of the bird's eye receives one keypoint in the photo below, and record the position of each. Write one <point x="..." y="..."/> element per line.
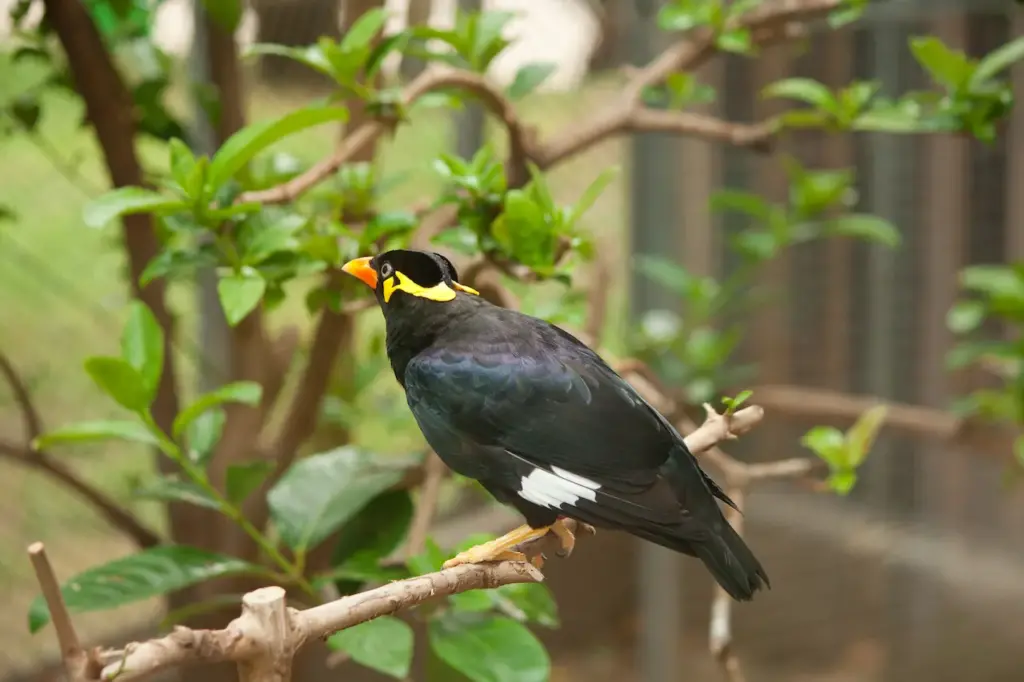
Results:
<point x="386" y="270"/>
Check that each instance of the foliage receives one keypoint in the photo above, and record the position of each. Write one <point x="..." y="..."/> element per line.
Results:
<point x="990" y="321"/>
<point x="845" y="452"/>
<point x="693" y="347"/>
<point x="351" y="496"/>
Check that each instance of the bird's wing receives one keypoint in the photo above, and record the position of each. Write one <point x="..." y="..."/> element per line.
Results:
<point x="562" y="412"/>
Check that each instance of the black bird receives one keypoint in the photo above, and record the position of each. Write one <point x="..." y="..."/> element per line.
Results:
<point x="543" y="423"/>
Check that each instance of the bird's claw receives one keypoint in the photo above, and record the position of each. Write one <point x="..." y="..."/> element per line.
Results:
<point x="566" y="537"/>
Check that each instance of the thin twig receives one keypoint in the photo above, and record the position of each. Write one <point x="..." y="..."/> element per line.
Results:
<point x="432" y="80"/>
<point x="76" y="660"/>
<point x="29" y="413"/>
<point x="26" y="455"/>
<point x="426" y="507"/>
<point x="720" y="625"/>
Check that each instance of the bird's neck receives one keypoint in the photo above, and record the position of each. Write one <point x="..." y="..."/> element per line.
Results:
<point x="410" y="332"/>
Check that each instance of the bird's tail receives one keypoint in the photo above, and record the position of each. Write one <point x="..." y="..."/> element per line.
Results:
<point x="714" y="541"/>
<point x="727" y="557"/>
<point x="732" y="563"/>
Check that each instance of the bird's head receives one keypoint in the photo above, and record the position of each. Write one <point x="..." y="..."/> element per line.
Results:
<point x="404" y="275"/>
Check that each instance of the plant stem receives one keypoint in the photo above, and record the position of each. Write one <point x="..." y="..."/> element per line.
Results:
<point x="224" y="506"/>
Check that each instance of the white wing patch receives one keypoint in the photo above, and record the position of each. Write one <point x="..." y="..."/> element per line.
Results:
<point x="552" y="489"/>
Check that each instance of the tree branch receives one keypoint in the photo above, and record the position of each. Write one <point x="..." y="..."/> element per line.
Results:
<point x="237" y="643"/>
<point x="119" y="517"/>
<point x="769" y="24"/>
<point x="29" y="413"/>
<point x="431" y="80"/>
<point x="426" y="507"/>
<point x="78" y="664"/>
<point x="720" y="624"/>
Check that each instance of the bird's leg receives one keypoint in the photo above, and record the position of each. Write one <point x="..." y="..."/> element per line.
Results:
<point x="499" y="549"/>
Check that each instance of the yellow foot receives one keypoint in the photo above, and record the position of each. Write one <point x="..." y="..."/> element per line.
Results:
<point x="499" y="549"/>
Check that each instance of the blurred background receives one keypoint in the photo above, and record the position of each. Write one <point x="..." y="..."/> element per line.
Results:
<point x="915" y="576"/>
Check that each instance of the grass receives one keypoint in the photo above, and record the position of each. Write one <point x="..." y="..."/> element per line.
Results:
<point x="63" y="296"/>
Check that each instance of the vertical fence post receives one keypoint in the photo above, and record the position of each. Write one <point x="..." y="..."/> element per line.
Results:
<point x="214" y="336"/>
<point x="469" y="123"/>
<point x="654" y="228"/>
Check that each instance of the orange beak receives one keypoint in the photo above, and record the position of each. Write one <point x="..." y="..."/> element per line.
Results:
<point x="360" y="267"/>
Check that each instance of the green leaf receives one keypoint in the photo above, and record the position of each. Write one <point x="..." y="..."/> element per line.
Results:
<point x="489" y="649"/>
<point x="965" y="316"/>
<point x="149" y="573"/>
<point x="948" y="67"/>
<point x="861" y="436"/>
<point x="1003" y="57"/>
<point x="93" y="431"/>
<point x="241" y="147"/>
<point x="26" y="110"/>
<point x="142" y="345"/>
<point x="377" y="530"/>
<point x="528" y="78"/>
<point x="384" y="644"/>
<point x="388" y="224"/>
<point x="169" y="489"/>
<point x="244" y="392"/>
<point x="244" y="478"/>
<point x="127" y="201"/>
<point x="120" y="381"/>
<point x="732" y="404"/>
<point x="668" y="274"/>
<point x="842" y="482"/>
<point x="182" y="161"/>
<point x="364" y="29"/>
<point x="995" y="281"/>
<point x="533" y="600"/>
<point x="431" y="559"/>
<point x="239" y="294"/>
<point x="310" y="55"/>
<point x="590" y="195"/>
<point x="828" y="443"/>
<point x="805" y="90"/>
<point x="474" y="601"/>
<point x="524" y="232"/>
<point x="321" y="492"/>
<point x="225" y="13"/>
<point x="203" y="434"/>
<point x="868" y="227"/>
<point x="737" y="41"/>
<point x="738" y="201"/>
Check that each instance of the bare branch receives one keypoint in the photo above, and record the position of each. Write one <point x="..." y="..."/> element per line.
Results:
<point x="77" y="662"/>
<point x="29" y="413"/>
<point x="24" y="454"/>
<point x="814" y="403"/>
<point x="431" y="80"/>
<point x="426" y="507"/>
<point x="720" y="626"/>
<point x="758" y="137"/>
<point x="238" y="641"/>
<point x="769" y="24"/>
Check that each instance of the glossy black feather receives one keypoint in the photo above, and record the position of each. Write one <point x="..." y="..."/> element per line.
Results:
<point x="509" y="399"/>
